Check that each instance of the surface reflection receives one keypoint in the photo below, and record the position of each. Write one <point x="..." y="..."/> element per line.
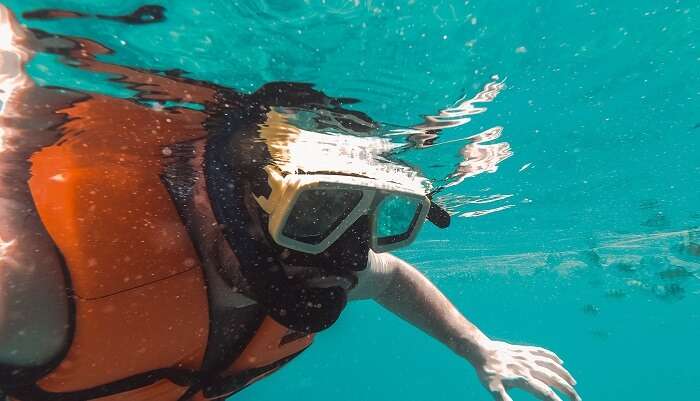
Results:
<point x="302" y="128"/>
<point x="143" y="15"/>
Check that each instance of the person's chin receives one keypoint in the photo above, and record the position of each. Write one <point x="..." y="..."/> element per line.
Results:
<point x="346" y="282"/>
<point x="319" y="278"/>
<point x="312" y="307"/>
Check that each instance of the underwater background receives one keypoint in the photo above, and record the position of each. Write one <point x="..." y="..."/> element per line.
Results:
<point x="580" y="230"/>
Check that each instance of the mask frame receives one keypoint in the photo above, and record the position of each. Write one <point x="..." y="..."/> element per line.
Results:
<point x="286" y="191"/>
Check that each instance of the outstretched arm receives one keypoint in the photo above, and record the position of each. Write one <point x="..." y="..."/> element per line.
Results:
<point x="402" y="289"/>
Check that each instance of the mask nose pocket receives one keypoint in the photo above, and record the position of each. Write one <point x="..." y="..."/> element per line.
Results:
<point x="351" y="250"/>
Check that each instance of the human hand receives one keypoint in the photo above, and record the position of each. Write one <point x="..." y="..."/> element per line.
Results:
<point x="533" y="369"/>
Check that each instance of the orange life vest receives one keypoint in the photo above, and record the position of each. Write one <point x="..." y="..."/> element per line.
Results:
<point x="143" y="319"/>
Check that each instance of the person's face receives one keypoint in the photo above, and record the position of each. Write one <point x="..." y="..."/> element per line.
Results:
<point x="308" y="292"/>
<point x="337" y="266"/>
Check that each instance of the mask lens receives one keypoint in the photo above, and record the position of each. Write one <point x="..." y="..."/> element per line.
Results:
<point x="317" y="212"/>
<point x="396" y="216"/>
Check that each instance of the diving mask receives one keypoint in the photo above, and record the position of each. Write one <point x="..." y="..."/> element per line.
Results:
<point x="309" y="212"/>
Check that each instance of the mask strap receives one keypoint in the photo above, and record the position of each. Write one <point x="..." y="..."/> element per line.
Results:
<point x="437" y="214"/>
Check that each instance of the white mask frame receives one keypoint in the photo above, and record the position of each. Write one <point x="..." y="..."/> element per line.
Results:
<point x="286" y="191"/>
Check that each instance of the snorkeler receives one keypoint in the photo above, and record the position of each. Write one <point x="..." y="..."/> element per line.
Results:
<point x="154" y="251"/>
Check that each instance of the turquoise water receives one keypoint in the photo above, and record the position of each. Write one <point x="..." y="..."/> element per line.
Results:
<point x="584" y="241"/>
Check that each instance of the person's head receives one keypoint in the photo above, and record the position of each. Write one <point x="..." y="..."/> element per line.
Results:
<point x="303" y="202"/>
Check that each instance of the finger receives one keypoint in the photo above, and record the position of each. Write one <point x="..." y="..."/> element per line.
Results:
<point x="558" y="369"/>
<point x="539" y="351"/>
<point x="538" y="388"/>
<point x="499" y="393"/>
<point x="557" y="382"/>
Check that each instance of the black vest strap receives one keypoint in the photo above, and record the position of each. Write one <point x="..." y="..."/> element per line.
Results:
<point x="227" y="386"/>
<point x="181" y="377"/>
<point x="231" y="327"/>
<point x="209" y="382"/>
